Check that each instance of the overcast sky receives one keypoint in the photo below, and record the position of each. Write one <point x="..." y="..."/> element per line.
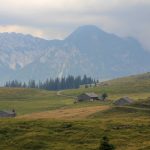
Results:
<point x="58" y="18"/>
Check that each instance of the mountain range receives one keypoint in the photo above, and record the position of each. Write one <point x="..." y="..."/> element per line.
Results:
<point x="88" y="50"/>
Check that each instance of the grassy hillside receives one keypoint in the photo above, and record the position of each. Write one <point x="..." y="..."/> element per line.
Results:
<point x="26" y="101"/>
<point x="33" y="100"/>
<point x="30" y="100"/>
<point x="137" y="87"/>
<point x="49" y="121"/>
<point x="126" y="130"/>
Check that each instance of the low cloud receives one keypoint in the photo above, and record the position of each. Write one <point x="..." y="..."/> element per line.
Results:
<point x="56" y="19"/>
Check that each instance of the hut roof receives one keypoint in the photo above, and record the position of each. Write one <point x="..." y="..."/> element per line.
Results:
<point x="91" y="95"/>
<point x="7" y="113"/>
<point x="123" y="101"/>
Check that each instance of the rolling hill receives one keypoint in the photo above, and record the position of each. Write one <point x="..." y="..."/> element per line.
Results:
<point x="47" y="120"/>
<point x="135" y="86"/>
<point x="34" y="100"/>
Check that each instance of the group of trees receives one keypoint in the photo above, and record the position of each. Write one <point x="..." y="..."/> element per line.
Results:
<point x="69" y="82"/>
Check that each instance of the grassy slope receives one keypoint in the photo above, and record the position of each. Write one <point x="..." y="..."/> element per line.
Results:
<point x="30" y="100"/>
<point x="130" y="131"/>
<point x="33" y="100"/>
<point x="136" y="87"/>
<point x="127" y="127"/>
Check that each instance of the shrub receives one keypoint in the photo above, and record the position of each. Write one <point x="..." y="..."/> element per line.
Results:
<point x="104" y="96"/>
<point x="105" y="145"/>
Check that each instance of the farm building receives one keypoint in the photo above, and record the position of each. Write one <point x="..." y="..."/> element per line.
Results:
<point x="87" y="97"/>
<point x="123" y="101"/>
<point x="4" y="114"/>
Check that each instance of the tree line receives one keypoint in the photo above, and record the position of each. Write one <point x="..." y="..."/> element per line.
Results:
<point x="69" y="82"/>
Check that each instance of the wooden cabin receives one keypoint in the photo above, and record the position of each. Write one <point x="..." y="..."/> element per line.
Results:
<point x="87" y="97"/>
<point x="5" y="114"/>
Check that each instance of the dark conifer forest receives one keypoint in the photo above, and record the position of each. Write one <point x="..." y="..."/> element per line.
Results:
<point x="69" y="82"/>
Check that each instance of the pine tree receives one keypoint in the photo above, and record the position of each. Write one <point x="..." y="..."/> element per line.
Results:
<point x="105" y="145"/>
<point x="69" y="82"/>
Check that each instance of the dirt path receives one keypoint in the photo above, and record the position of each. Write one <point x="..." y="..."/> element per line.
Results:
<point x="59" y="93"/>
<point x="66" y="114"/>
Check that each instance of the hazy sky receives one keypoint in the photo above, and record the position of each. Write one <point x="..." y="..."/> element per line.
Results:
<point x="58" y="18"/>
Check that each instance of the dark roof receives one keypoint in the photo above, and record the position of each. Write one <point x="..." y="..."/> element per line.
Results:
<point x="92" y="95"/>
<point x="123" y="101"/>
<point x="7" y="113"/>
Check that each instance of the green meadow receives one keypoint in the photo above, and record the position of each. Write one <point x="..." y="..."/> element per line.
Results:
<point x="127" y="130"/>
<point x="127" y="127"/>
<point x="26" y="101"/>
<point x="135" y="86"/>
